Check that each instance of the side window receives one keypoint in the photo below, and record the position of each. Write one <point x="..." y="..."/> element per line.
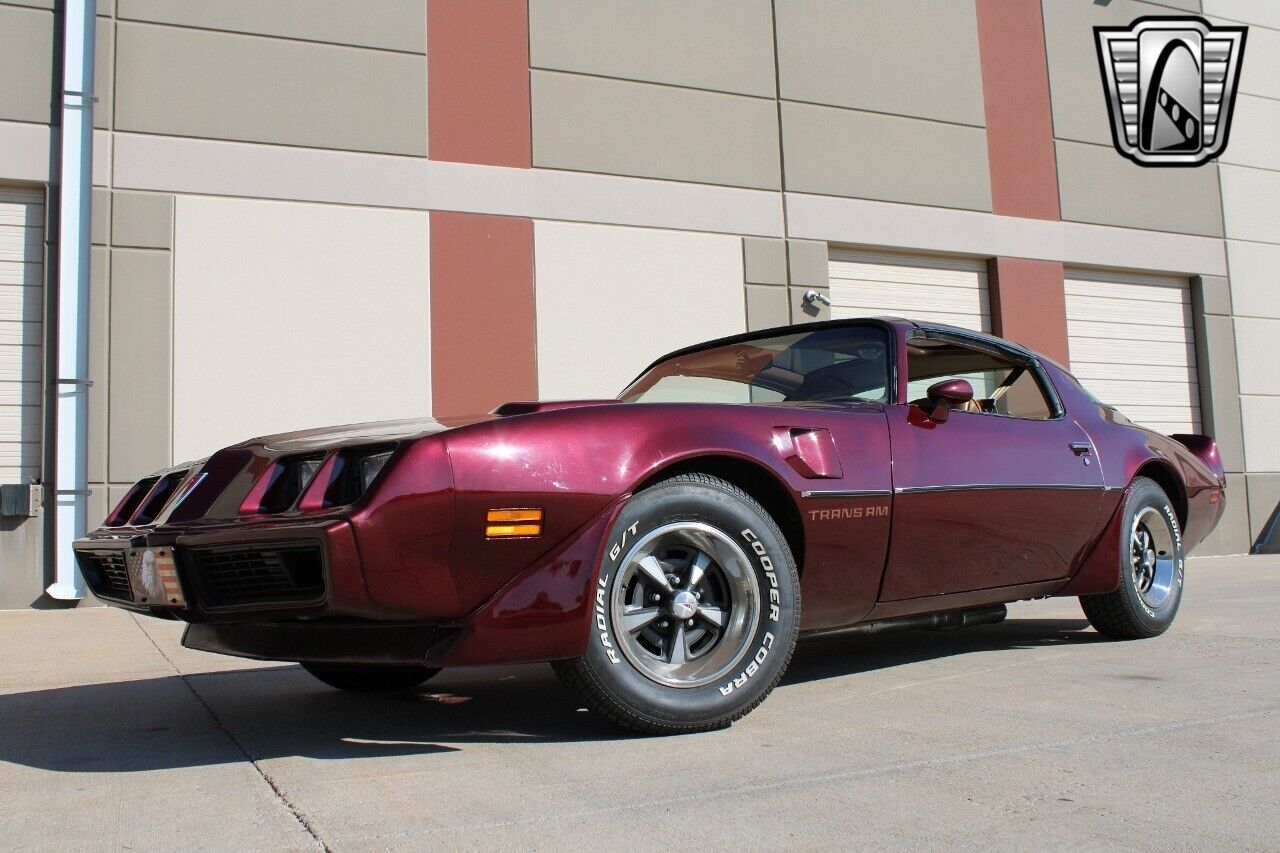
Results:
<point x="1000" y="386"/>
<point x="1024" y="398"/>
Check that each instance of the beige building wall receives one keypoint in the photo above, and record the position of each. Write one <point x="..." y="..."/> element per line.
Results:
<point x="1250" y="170"/>
<point x="289" y="316"/>
<point x="611" y="300"/>
<point x="1096" y="184"/>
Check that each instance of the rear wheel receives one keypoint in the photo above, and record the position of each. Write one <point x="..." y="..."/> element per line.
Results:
<point x="370" y="678"/>
<point x="1152" y="563"/>
<point x="696" y="610"/>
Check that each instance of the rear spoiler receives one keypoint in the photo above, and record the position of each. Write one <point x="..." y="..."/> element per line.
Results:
<point x="1205" y="449"/>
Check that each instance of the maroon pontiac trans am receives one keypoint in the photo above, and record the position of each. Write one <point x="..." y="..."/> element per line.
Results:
<point x="656" y="548"/>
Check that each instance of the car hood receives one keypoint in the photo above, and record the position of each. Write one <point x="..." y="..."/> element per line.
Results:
<point x="398" y="430"/>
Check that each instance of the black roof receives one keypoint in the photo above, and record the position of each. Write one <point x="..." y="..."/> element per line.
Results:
<point x="942" y="329"/>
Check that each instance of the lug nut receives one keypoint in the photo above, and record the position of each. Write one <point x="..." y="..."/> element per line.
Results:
<point x="688" y="623"/>
<point x="655" y="597"/>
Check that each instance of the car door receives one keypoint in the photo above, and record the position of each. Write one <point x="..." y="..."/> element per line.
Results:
<point x="1001" y="493"/>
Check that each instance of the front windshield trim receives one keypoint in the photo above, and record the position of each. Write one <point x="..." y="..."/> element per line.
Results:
<point x="890" y="331"/>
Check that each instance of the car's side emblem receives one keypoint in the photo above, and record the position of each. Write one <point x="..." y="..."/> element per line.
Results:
<point x="1170" y="84"/>
<point x="849" y="512"/>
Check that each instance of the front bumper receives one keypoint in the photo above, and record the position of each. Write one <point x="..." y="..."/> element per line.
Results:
<point x="229" y="573"/>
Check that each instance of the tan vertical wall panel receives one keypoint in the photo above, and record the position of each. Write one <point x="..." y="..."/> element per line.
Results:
<point x="99" y="361"/>
<point x="104" y="54"/>
<point x="26" y="64"/>
<point x="141" y="363"/>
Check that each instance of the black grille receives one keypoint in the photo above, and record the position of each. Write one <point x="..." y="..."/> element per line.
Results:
<point x="238" y="575"/>
<point x="106" y="574"/>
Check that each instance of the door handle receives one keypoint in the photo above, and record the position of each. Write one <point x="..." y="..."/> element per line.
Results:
<point x="1080" y="448"/>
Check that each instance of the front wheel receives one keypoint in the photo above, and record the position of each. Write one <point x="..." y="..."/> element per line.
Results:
<point x="695" y="613"/>
<point x="1152" y="564"/>
<point x="370" y="678"/>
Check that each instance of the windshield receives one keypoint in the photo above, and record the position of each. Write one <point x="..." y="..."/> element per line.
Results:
<point x="842" y="364"/>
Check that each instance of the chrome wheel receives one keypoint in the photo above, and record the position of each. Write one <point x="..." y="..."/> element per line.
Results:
<point x="1153" y="556"/>
<point x="685" y="604"/>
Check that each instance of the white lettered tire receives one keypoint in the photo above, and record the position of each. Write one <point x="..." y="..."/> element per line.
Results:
<point x="1152" y="569"/>
<point x="696" y="610"/>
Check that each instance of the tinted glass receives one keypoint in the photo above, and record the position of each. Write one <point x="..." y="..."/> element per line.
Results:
<point x="1000" y="386"/>
<point x="847" y="364"/>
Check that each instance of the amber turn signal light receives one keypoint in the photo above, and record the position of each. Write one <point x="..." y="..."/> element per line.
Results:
<point x="508" y="523"/>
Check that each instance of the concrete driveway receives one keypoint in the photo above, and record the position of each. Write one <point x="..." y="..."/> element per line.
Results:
<point x="1033" y="733"/>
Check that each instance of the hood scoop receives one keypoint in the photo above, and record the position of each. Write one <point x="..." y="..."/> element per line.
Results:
<point x="530" y="407"/>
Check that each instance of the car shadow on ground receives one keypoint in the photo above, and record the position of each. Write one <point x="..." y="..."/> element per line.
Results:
<point x="280" y="711"/>
<point x="850" y="653"/>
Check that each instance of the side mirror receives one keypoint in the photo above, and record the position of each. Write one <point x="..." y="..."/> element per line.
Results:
<point x="945" y="395"/>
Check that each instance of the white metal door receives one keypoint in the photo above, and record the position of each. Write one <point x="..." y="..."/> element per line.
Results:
<point x="1132" y="344"/>
<point x="944" y="290"/>
<point x="21" y="331"/>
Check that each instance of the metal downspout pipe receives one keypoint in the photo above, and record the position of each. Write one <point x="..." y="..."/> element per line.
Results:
<point x="71" y="384"/>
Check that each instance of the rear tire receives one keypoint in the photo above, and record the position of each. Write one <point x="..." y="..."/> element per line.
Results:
<point x="695" y="613"/>
<point x="370" y="678"/>
<point x="1152" y="565"/>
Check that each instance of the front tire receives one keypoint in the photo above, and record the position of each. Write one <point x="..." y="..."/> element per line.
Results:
<point x="370" y="678"/>
<point x="1152" y="565"/>
<point x="695" y="613"/>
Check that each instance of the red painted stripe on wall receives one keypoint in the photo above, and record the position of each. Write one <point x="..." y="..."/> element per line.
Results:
<point x="478" y="82"/>
<point x="483" y="315"/>
<point x="1015" y="88"/>
<point x="1029" y="305"/>
<point x="483" y="339"/>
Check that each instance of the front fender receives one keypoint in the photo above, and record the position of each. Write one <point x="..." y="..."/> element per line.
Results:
<point x="544" y="613"/>
<point x="573" y="463"/>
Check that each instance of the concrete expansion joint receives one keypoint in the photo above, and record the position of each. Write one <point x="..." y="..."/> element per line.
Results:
<point x="277" y="791"/>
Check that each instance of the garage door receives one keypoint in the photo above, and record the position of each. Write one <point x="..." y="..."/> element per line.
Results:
<point x="944" y="290"/>
<point x="21" y="319"/>
<point x="1133" y="346"/>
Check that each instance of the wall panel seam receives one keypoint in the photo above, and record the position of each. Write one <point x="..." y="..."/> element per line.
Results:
<point x="611" y="77"/>
<point x="909" y="116"/>
<point x="270" y="37"/>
